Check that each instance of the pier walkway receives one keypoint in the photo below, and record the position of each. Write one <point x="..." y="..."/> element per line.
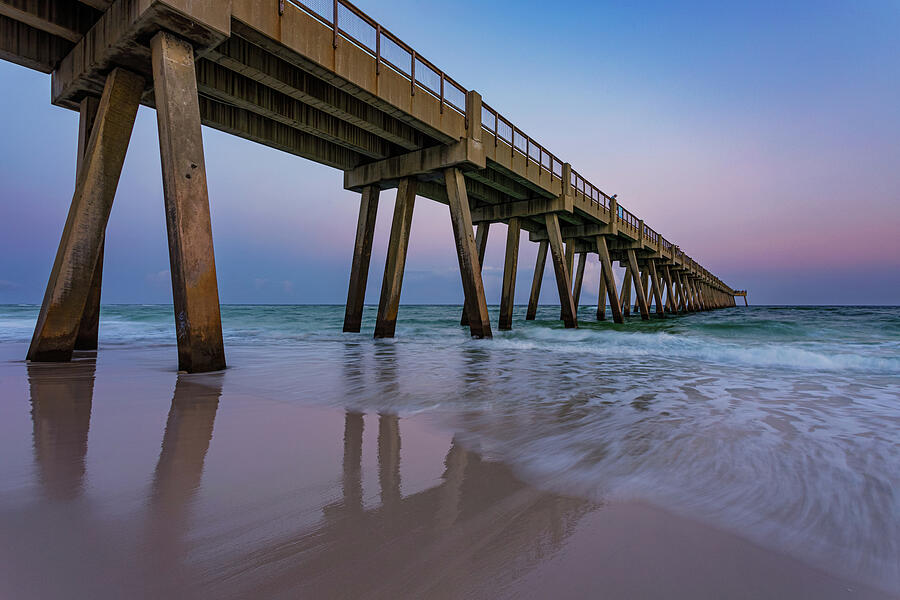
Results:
<point x="325" y="82"/>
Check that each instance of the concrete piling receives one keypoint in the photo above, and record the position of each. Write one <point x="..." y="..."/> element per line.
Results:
<point x="79" y="248"/>
<point x="507" y="298"/>
<point x="539" y="266"/>
<point x="198" y="322"/>
<point x="389" y="304"/>
<point x="362" y="254"/>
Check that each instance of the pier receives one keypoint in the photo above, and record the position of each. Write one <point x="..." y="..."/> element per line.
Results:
<point x="327" y="83"/>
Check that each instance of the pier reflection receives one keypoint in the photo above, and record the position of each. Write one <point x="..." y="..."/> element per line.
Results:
<point x="477" y="527"/>
<point x="61" y="398"/>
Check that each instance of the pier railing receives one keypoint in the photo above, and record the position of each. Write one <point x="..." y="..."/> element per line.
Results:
<point x="389" y="51"/>
<point x="501" y="129"/>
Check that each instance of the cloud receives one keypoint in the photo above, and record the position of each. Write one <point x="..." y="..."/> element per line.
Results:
<point x="8" y="286"/>
<point x="158" y="278"/>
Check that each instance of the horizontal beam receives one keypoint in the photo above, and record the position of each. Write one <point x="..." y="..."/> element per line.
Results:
<point x="465" y="154"/>
<point x="522" y="208"/>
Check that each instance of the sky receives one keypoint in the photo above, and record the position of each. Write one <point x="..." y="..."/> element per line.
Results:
<point x="763" y="138"/>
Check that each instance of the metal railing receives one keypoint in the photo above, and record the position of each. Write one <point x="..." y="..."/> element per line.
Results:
<point x="350" y="23"/>
<point x="501" y="129"/>
<point x="589" y="190"/>
<point x="626" y="217"/>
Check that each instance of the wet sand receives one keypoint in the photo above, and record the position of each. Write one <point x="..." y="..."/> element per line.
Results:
<point x="123" y="479"/>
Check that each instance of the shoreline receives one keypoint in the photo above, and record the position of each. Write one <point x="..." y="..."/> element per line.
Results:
<point x="253" y="495"/>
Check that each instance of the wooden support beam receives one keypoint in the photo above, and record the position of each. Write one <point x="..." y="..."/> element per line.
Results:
<point x="606" y="274"/>
<point x="507" y="299"/>
<point x="79" y="247"/>
<point x="638" y="286"/>
<point x="657" y="292"/>
<point x="195" y="290"/>
<point x="389" y="304"/>
<point x="362" y="254"/>
<point x="89" y="327"/>
<point x="469" y="266"/>
<point x="563" y="283"/>
<point x="481" y="238"/>
<point x="539" y="265"/>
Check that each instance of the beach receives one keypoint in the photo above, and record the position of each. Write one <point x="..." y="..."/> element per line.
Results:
<point x="609" y="463"/>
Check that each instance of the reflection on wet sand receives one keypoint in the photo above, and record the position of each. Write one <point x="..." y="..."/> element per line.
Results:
<point x="476" y="530"/>
<point x="472" y="532"/>
<point x="189" y="430"/>
<point x="61" y="415"/>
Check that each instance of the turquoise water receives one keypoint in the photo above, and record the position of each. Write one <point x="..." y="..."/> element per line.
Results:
<point x="779" y="423"/>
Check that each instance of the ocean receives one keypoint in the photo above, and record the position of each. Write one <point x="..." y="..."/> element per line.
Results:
<point x="778" y="423"/>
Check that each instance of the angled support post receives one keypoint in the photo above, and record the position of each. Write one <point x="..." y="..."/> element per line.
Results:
<point x="579" y="278"/>
<point x="539" y="265"/>
<point x="606" y="275"/>
<point x="89" y="328"/>
<point x="362" y="255"/>
<point x="657" y="292"/>
<point x="671" y="301"/>
<point x="79" y="249"/>
<point x="562" y="273"/>
<point x="625" y="292"/>
<point x="645" y="283"/>
<point x="389" y="303"/>
<point x="601" y="297"/>
<point x="469" y="267"/>
<point x="570" y="269"/>
<point x="198" y="322"/>
<point x="510" y="265"/>
<point x="481" y="238"/>
<point x="638" y="286"/>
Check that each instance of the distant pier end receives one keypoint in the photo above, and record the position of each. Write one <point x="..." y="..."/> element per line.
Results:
<point x="333" y="86"/>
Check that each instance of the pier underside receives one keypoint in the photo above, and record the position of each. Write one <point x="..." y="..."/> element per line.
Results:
<point x="340" y="90"/>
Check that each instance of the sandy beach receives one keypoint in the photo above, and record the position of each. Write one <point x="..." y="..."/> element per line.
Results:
<point x="124" y="479"/>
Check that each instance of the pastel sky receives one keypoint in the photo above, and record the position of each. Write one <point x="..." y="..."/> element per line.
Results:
<point x="763" y="137"/>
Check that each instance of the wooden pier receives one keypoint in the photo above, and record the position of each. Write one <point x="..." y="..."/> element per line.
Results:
<point x="327" y="83"/>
